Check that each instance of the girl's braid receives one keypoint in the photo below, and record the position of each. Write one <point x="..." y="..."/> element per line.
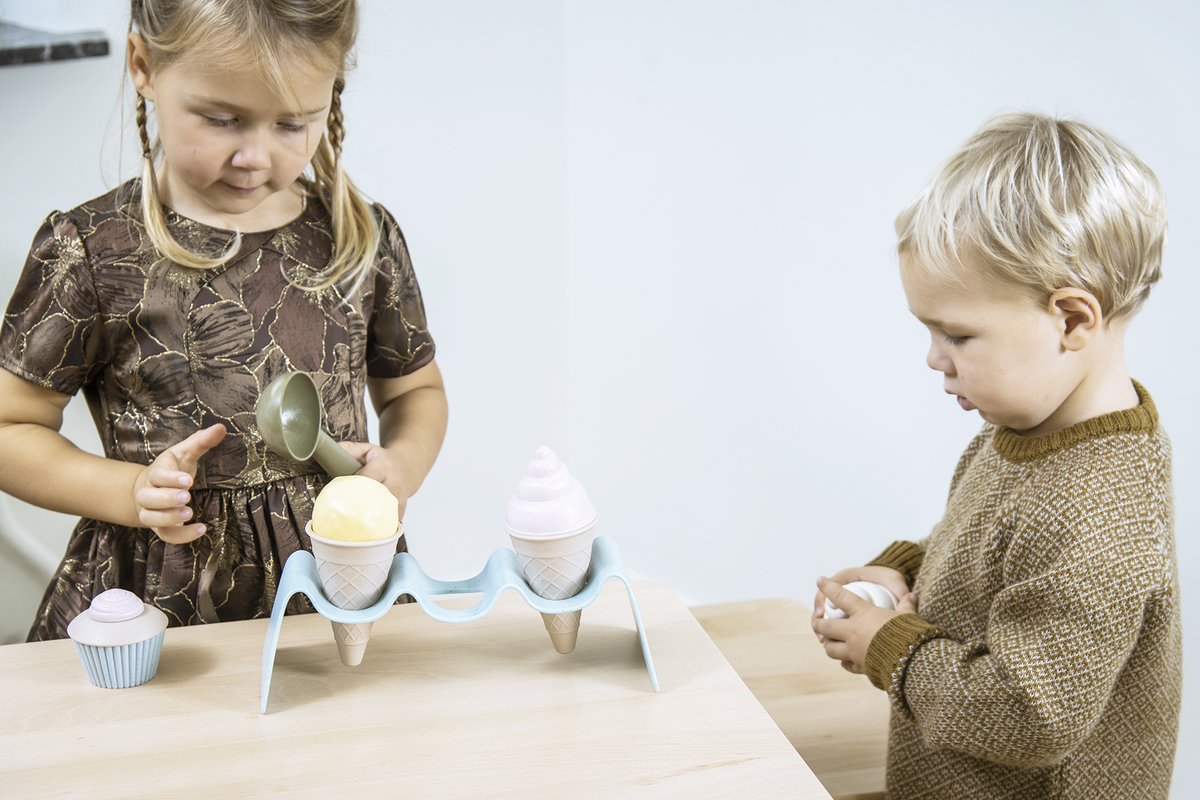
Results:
<point x="335" y="125"/>
<point x="141" y="126"/>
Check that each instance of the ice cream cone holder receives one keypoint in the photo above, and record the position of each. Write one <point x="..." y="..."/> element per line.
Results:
<point x="406" y="577"/>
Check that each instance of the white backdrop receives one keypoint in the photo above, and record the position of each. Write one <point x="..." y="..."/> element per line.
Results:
<point x="657" y="237"/>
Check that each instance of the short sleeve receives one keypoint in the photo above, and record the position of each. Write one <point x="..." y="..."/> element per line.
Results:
<point x="52" y="333"/>
<point x="398" y="338"/>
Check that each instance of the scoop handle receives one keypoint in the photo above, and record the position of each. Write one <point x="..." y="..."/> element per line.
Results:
<point x="336" y="461"/>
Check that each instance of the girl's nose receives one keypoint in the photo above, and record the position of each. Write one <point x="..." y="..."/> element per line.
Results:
<point x="938" y="360"/>
<point x="251" y="154"/>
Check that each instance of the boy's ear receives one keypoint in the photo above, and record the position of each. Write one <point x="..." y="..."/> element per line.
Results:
<point x="1078" y="314"/>
<point x="137" y="59"/>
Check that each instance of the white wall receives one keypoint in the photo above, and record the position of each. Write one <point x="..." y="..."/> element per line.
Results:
<point x="657" y="236"/>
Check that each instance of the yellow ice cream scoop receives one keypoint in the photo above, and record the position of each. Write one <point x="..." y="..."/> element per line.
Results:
<point x="355" y="508"/>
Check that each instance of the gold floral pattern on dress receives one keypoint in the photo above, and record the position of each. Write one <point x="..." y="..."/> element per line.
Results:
<point x="160" y="351"/>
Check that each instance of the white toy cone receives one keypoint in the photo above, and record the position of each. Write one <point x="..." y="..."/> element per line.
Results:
<point x="555" y="569"/>
<point x="352" y="575"/>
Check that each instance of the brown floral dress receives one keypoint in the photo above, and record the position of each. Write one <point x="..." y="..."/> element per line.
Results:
<point x="161" y="351"/>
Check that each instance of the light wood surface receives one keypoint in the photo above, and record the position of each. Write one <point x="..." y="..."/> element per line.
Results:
<point x="837" y="721"/>
<point x="481" y="710"/>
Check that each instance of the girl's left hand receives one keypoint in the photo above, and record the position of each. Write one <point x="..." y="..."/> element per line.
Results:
<point x="384" y="466"/>
<point x="846" y="640"/>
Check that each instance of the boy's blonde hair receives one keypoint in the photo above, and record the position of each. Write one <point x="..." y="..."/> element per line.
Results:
<point x="1045" y="204"/>
<point x="266" y="35"/>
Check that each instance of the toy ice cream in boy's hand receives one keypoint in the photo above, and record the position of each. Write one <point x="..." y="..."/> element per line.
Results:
<point x="871" y="592"/>
<point x="552" y="524"/>
<point x="354" y="529"/>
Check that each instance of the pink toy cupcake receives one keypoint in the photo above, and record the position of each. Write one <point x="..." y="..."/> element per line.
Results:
<point x="119" y="639"/>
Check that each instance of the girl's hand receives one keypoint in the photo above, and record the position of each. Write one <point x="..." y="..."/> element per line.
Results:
<point x="160" y="492"/>
<point x="846" y="640"/>
<point x="384" y="466"/>
<point x="890" y="579"/>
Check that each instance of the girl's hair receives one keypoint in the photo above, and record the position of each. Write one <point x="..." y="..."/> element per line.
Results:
<point x="1043" y="203"/>
<point x="266" y="35"/>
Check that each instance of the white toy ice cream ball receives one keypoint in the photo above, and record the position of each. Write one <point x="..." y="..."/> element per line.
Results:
<point x="871" y="592"/>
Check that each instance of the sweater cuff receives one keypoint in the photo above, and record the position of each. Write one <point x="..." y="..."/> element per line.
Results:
<point x="904" y="557"/>
<point x="892" y="646"/>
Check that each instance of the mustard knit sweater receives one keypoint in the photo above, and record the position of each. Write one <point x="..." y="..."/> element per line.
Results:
<point x="1046" y="661"/>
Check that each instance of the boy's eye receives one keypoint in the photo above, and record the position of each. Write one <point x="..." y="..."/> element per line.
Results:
<point x="955" y="341"/>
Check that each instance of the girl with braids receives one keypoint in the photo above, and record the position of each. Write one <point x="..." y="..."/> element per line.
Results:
<point x="243" y="251"/>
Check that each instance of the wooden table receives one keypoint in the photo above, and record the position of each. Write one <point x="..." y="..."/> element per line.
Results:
<point x="835" y="720"/>
<point x="480" y="710"/>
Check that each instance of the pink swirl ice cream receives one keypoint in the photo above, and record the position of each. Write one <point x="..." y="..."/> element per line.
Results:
<point x="552" y="525"/>
<point x="549" y="501"/>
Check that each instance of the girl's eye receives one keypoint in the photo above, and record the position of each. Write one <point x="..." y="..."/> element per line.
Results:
<point x="955" y="341"/>
<point x="292" y="127"/>
<point x="221" y="122"/>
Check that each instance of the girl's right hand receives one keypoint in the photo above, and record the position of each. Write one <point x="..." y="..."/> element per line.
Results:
<point x="890" y="579"/>
<point x="160" y="492"/>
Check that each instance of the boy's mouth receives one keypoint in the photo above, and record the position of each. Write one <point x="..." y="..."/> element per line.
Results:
<point x="964" y="403"/>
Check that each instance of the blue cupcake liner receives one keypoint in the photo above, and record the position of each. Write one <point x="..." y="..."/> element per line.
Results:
<point x="121" y="667"/>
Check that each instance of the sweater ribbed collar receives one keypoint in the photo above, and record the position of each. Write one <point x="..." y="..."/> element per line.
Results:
<point x="1142" y="418"/>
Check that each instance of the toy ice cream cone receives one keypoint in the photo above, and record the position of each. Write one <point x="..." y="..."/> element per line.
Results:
<point x="555" y="569"/>
<point x="354" y="530"/>
<point x="352" y="575"/>
<point x="552" y="524"/>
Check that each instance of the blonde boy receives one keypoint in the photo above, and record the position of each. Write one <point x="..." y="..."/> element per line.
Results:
<point x="1045" y="660"/>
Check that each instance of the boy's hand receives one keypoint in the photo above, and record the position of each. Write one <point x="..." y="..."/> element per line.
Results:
<point x="846" y="640"/>
<point x="888" y="578"/>
<point x="384" y="466"/>
<point x="160" y="492"/>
